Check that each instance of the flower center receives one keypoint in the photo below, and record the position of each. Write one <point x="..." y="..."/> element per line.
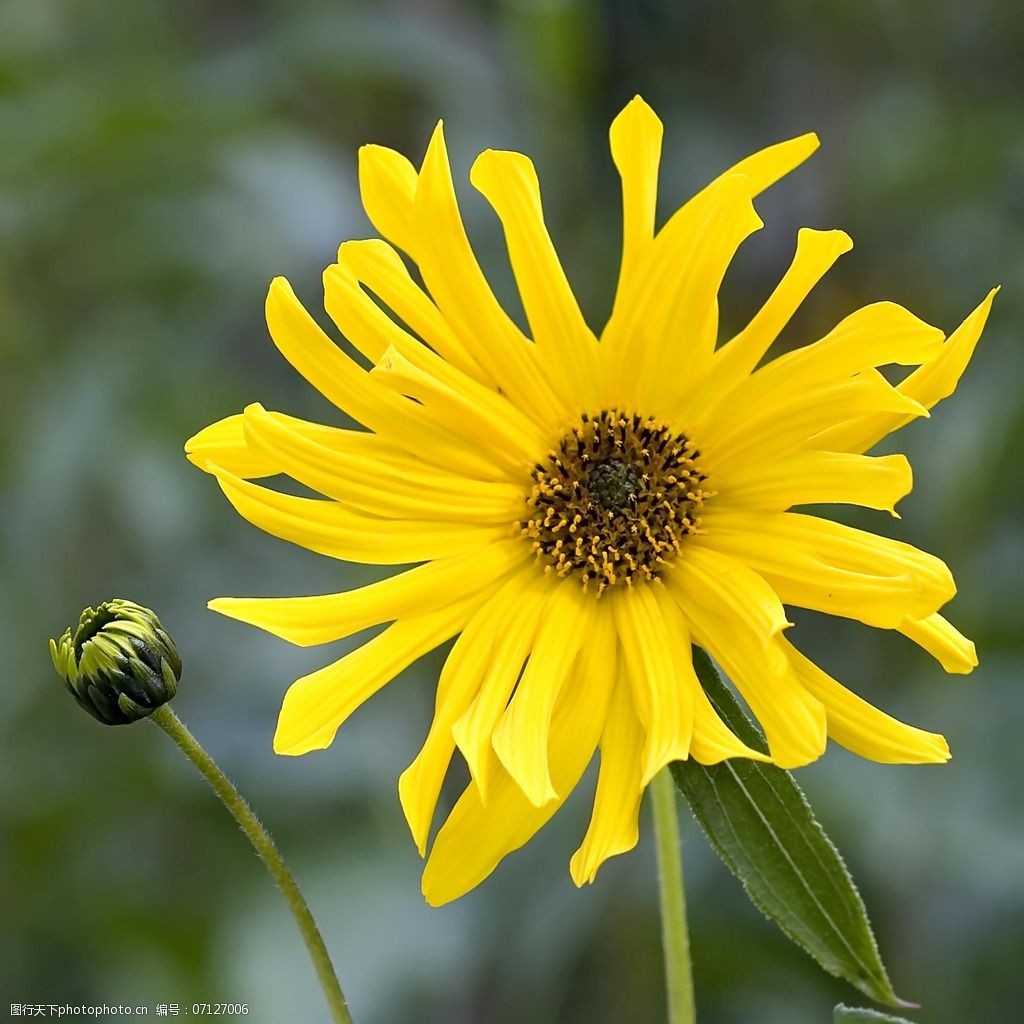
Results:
<point x="613" y="501"/>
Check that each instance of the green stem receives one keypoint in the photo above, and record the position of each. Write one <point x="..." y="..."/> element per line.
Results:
<point x="675" y="939"/>
<point x="269" y="854"/>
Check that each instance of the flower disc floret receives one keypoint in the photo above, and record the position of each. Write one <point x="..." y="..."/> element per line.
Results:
<point x="613" y="502"/>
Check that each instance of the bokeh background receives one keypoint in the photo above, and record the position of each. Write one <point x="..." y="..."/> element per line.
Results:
<point x="159" y="163"/>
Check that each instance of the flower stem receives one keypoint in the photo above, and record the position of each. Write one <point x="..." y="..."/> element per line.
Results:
<point x="675" y="939"/>
<point x="269" y="854"/>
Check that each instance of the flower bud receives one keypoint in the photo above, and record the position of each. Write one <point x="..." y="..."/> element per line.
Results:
<point x="119" y="664"/>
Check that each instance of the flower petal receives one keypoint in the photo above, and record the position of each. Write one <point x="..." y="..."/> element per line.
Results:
<point x="734" y="617"/>
<point x="943" y="641"/>
<point x="332" y="529"/>
<point x="521" y="738"/>
<point x="316" y="705"/>
<point x="461" y="408"/>
<point x="474" y="730"/>
<point x="308" y="621"/>
<point x="387" y="184"/>
<point x="223" y="444"/>
<point x="463" y="295"/>
<point x="816" y="251"/>
<point x="663" y="700"/>
<point x="779" y="423"/>
<point x="566" y="347"/>
<point x="405" y="490"/>
<point x="829" y="567"/>
<point x="768" y="165"/>
<point x="712" y="740"/>
<point x="873" y="336"/>
<point x="861" y="727"/>
<point x="313" y="354"/>
<point x="613" y="825"/>
<point x="812" y="477"/>
<point x="464" y="670"/>
<point x="635" y="138"/>
<point x="475" y="838"/>
<point x="666" y="333"/>
<point x="927" y="385"/>
<point x="377" y="267"/>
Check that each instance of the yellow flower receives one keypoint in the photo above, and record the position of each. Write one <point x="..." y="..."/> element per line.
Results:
<point x="584" y="507"/>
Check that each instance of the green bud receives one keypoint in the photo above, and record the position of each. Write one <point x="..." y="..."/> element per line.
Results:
<point x="119" y="664"/>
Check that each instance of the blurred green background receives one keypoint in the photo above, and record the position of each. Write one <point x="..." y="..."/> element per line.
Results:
<point x="159" y="163"/>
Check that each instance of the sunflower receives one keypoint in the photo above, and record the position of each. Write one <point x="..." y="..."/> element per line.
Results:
<point x="580" y="509"/>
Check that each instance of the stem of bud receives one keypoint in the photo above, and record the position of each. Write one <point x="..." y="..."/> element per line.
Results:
<point x="268" y="852"/>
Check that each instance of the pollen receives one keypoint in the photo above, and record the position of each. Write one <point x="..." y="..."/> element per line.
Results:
<point x="613" y="502"/>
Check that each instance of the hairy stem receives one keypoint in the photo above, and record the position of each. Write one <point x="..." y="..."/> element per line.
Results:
<point x="269" y="854"/>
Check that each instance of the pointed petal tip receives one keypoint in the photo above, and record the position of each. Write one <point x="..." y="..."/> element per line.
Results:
<point x="795" y="759"/>
<point x="433" y="897"/>
<point x="438" y="888"/>
<point x="291" y="738"/>
<point x="636" y="116"/>
<point x="580" y="873"/>
<point x="418" y="828"/>
<point x="638" y="105"/>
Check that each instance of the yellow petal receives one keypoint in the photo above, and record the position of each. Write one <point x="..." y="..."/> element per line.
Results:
<point x="663" y="700"/>
<point x="635" y="137"/>
<point x="813" y="477"/>
<point x="521" y="738"/>
<point x="740" y="592"/>
<point x="768" y="165"/>
<point x="404" y="489"/>
<point x="308" y="621"/>
<point x="377" y="267"/>
<point x="829" y="567"/>
<point x="352" y="389"/>
<point x="457" y="402"/>
<point x="475" y="838"/>
<point x="777" y="424"/>
<point x="667" y="332"/>
<point x="613" y="825"/>
<point x="332" y="529"/>
<point x="637" y="149"/>
<point x="387" y="184"/>
<point x="420" y="784"/>
<point x="927" y="385"/>
<point x="816" y="251"/>
<point x="316" y="705"/>
<point x="473" y="731"/>
<point x="223" y="444"/>
<point x="461" y="292"/>
<point x="712" y="740"/>
<point x="461" y="408"/>
<point x="566" y="347"/>
<point x="943" y="641"/>
<point x="861" y="727"/>
<point x="874" y="335"/>
<point x="359" y="318"/>
<point x="362" y="455"/>
<point x="747" y="647"/>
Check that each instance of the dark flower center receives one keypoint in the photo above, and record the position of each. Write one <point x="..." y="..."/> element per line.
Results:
<point x="612" y="485"/>
<point x="614" y="500"/>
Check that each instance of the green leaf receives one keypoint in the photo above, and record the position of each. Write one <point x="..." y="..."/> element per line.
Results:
<point x="761" y="825"/>
<point x="854" y="1015"/>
